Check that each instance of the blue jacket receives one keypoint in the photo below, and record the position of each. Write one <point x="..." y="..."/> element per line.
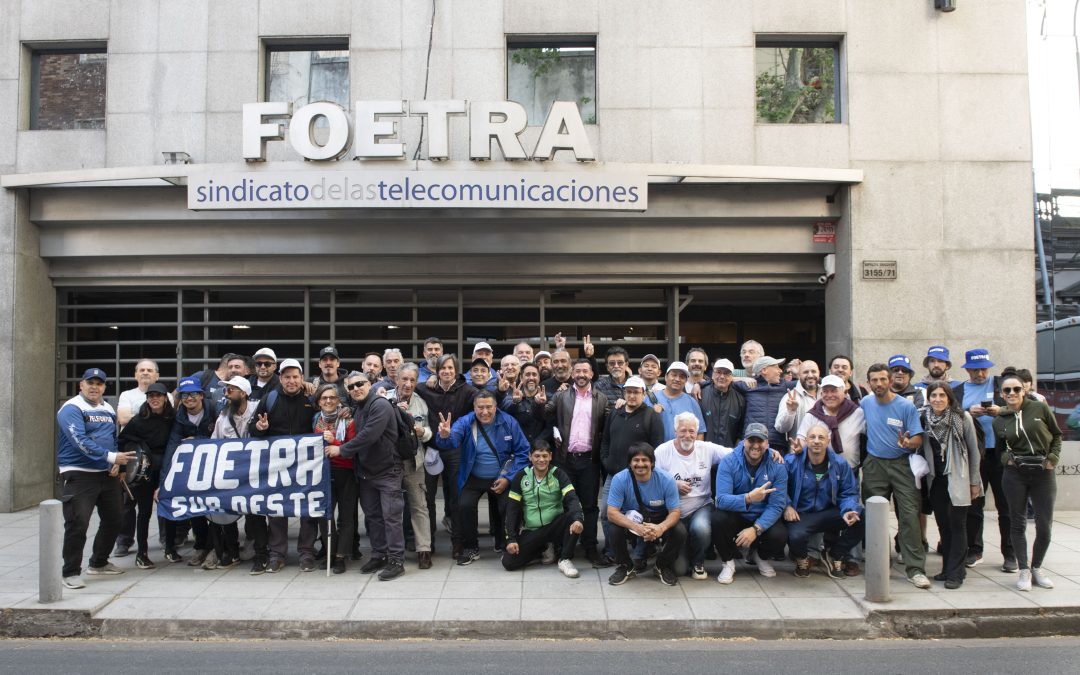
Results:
<point x="837" y="489"/>
<point x="183" y="428"/>
<point x="505" y="433"/>
<point x="87" y="435"/>
<point x="762" y="403"/>
<point x="733" y="481"/>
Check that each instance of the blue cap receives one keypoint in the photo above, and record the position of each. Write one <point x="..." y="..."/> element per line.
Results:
<point x="95" y="374"/>
<point x="977" y="358"/>
<point x="900" y="361"/>
<point x="189" y="384"/>
<point x="937" y="352"/>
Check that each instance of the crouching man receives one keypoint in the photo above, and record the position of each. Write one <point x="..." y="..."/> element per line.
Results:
<point x="824" y="498"/>
<point x="645" y="503"/>
<point x="542" y="512"/>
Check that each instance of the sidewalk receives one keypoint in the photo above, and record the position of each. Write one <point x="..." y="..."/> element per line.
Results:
<point x="484" y="601"/>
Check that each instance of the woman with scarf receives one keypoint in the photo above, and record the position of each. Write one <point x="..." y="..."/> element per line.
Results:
<point x="1029" y="440"/>
<point x="951" y="450"/>
<point x="843" y="417"/>
<point x="336" y="430"/>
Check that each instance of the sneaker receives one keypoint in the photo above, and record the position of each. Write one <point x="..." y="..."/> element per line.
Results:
<point x="468" y="556"/>
<point x="211" y="562"/>
<point x="832" y="567"/>
<point x="307" y="563"/>
<point x="1040" y="579"/>
<point x="338" y="566"/>
<point x="621" y="575"/>
<point x="373" y="565"/>
<point x="764" y="566"/>
<point x="392" y="570"/>
<point x="666" y="575"/>
<point x="919" y="580"/>
<point x="603" y="561"/>
<point x="851" y="568"/>
<point x="226" y="563"/>
<point x="198" y="557"/>
<point x="173" y="557"/>
<point x="74" y="582"/>
<point x="953" y="584"/>
<point x="275" y="565"/>
<point x="497" y="549"/>
<point x="1009" y="565"/>
<point x="1023" y="582"/>
<point x="640" y="565"/>
<point x="802" y="567"/>
<point x="121" y="550"/>
<point x="566" y="566"/>
<point x="699" y="573"/>
<point x="548" y="557"/>
<point x="107" y="569"/>
<point x="727" y="572"/>
<point x="143" y="562"/>
<point x="258" y="565"/>
<point x="972" y="559"/>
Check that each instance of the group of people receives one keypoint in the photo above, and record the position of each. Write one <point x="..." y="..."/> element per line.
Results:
<point x="674" y="467"/>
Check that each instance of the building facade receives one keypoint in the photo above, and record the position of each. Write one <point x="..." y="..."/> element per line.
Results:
<point x="826" y="176"/>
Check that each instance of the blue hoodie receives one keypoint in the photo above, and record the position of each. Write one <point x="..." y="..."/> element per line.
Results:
<point x="505" y="433"/>
<point x="87" y="436"/>
<point x="734" y="479"/>
<point x="837" y="489"/>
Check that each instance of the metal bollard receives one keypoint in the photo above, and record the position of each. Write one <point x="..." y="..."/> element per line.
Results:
<point x="50" y="541"/>
<point x="877" y="549"/>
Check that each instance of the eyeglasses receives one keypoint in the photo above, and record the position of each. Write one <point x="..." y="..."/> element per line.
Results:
<point x="355" y="385"/>
<point x="328" y="398"/>
<point x="1011" y="390"/>
<point x="263" y="364"/>
<point x="189" y="394"/>
<point x="898" y="369"/>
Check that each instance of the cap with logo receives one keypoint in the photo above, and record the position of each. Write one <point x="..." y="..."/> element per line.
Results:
<point x="756" y="430"/>
<point x="900" y="361"/>
<point x="189" y="385"/>
<point x="267" y="352"/>
<point x="977" y="358"/>
<point x="240" y="383"/>
<point x="763" y="362"/>
<point x="328" y="351"/>
<point x="832" y="381"/>
<point x="95" y="374"/>
<point x="290" y="363"/>
<point x="937" y="352"/>
<point x="726" y="364"/>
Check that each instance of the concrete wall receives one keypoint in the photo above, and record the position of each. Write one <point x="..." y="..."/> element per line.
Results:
<point x="934" y="112"/>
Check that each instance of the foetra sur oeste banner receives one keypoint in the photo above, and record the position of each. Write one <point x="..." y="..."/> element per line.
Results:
<point x="277" y="476"/>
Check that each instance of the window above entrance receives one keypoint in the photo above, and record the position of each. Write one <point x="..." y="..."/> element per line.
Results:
<point x="797" y="81"/>
<point x="67" y="88"/>
<point x="542" y="69"/>
<point x="301" y="73"/>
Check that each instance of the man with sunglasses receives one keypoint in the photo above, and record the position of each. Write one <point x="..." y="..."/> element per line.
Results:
<point x="265" y="378"/>
<point x="900" y="374"/>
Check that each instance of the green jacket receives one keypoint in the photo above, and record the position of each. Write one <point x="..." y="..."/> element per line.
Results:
<point x="1032" y="430"/>
<point x="532" y="504"/>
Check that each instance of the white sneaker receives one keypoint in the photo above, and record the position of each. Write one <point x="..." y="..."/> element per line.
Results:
<point x="1023" y="583"/>
<point x="568" y="569"/>
<point x="74" y="582"/>
<point x="106" y="569"/>
<point x="764" y="567"/>
<point x="549" y="555"/>
<point x="1040" y="579"/>
<point x="727" y="572"/>
<point x="699" y="573"/>
<point x="919" y="580"/>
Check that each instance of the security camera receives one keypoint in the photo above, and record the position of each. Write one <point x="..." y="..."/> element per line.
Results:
<point x="830" y="269"/>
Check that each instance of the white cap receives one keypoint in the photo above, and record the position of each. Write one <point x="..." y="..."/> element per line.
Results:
<point x="290" y="363"/>
<point x="240" y="383"/>
<point x="266" y="351"/>
<point x="635" y="381"/>
<point x="723" y="363"/>
<point x="433" y="463"/>
<point x="539" y="354"/>
<point x="678" y="365"/>
<point x="482" y="345"/>
<point x="832" y="381"/>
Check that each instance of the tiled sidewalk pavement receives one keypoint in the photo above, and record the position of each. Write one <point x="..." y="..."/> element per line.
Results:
<point x="484" y="591"/>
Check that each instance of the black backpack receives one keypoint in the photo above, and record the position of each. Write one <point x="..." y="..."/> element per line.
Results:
<point x="407" y="443"/>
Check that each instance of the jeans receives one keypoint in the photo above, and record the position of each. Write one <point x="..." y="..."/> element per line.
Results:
<point x="384" y="505"/>
<point x="991" y="471"/>
<point x="889" y="477"/>
<point x="83" y="492"/>
<point x="952" y="525"/>
<point x="343" y="491"/>
<point x="465" y="527"/>
<point x="726" y="525"/>
<point x="449" y="478"/>
<point x="584" y="473"/>
<point x="1041" y="488"/>
<point x="531" y="543"/>
<point x="827" y="522"/>
<point x="669" y="546"/>
<point x="698" y="526"/>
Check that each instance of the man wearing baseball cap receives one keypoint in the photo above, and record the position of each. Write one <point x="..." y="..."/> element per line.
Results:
<point x="841" y="416"/>
<point x="937" y="364"/>
<point x="751" y="493"/>
<point x="673" y="400"/>
<point x="900" y="374"/>
<point x="88" y="462"/>
<point x="764" y="400"/>
<point x="723" y="406"/>
<point x="981" y="397"/>
<point x="265" y="378"/>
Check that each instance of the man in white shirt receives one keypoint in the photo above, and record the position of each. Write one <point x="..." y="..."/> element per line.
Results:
<point x="146" y="373"/>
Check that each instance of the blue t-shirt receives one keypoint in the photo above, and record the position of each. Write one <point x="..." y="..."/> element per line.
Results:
<point x="884" y="422"/>
<point x="975" y="394"/>
<point x="673" y="406"/>
<point x="486" y="465"/>
<point x="659" y="493"/>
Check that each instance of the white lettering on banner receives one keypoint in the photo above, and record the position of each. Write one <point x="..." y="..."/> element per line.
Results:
<point x="377" y="138"/>
<point x="309" y="461"/>
<point x="413" y="189"/>
<point x="225" y="464"/>
<point x="255" y="449"/>
<point x="202" y="468"/>
<point x="282" y="457"/>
